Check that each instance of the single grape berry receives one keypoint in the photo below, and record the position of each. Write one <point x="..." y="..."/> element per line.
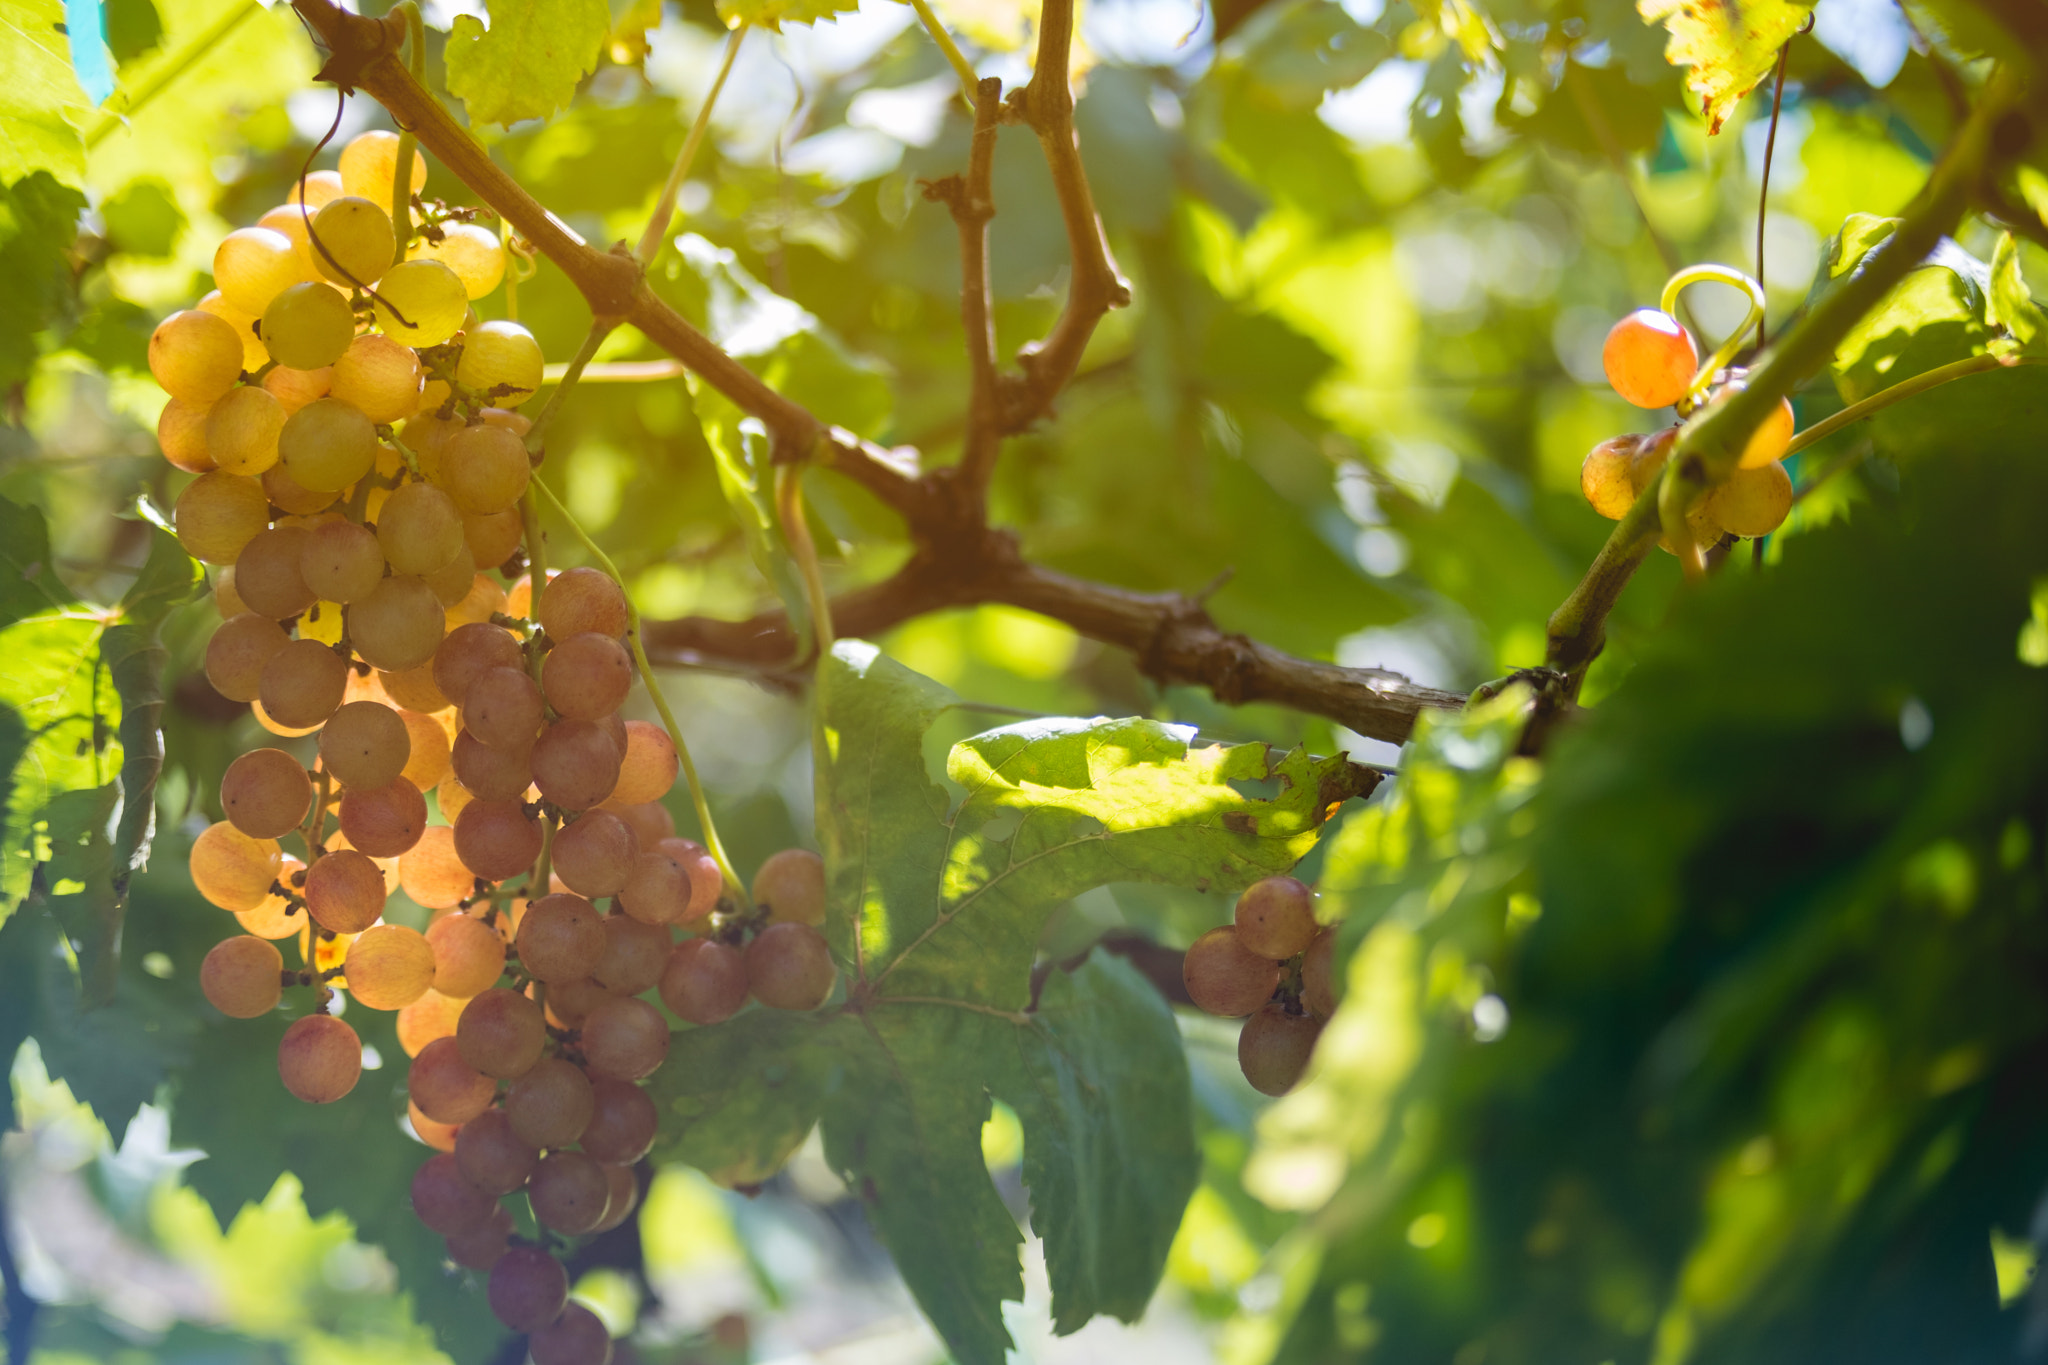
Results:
<point x="789" y="967"/>
<point x="577" y="1337"/>
<point x="1317" y="965"/>
<point x="624" y="1193"/>
<point x="1604" y="477"/>
<point x="628" y="1038"/>
<point x="1753" y="502"/>
<point x="242" y="977"/>
<point x="1224" y="977"/>
<point x="561" y="938"/>
<point x="705" y="982"/>
<point x="1273" y="1050"/>
<point x="623" y="1122"/>
<point x="791" y="887"/>
<point x="233" y="870"/>
<point x="494" y="1157"/>
<point x="319" y="1059"/>
<point x="444" y="1200"/>
<point x="469" y="955"/>
<point x="446" y="1088"/>
<point x="501" y="1033"/>
<point x="265" y="793"/>
<point x="550" y="1104"/>
<point x="1276" y="917"/>
<point x="479" y="1247"/>
<point x="390" y="966"/>
<point x="634" y="955"/>
<point x="594" y="856"/>
<point x="1650" y="358"/>
<point x="528" y="1288"/>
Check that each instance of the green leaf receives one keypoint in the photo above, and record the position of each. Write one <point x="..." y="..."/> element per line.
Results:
<point x="773" y="14"/>
<point x="2010" y="306"/>
<point x="1627" y="113"/>
<point x="40" y="102"/>
<point x="737" y="1099"/>
<point x="1729" y="45"/>
<point x="28" y="577"/>
<point x="79" y="883"/>
<point x="740" y="451"/>
<point x="1931" y="317"/>
<point x="38" y="223"/>
<point x="530" y="61"/>
<point x="144" y="218"/>
<point x="169" y="579"/>
<point x="50" y="683"/>
<point x="134" y="28"/>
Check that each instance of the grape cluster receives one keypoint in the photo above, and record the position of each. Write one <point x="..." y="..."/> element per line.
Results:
<point x="1651" y="359"/>
<point x="1270" y="967"/>
<point x="359" y="457"/>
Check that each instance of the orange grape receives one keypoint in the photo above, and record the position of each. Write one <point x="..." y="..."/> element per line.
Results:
<point x="242" y="977"/>
<point x="1649" y="358"/>
<point x="1224" y="977"/>
<point x="319" y="1059"/>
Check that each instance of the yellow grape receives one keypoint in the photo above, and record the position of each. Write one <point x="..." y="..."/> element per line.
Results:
<point x="379" y="376"/>
<point x="474" y="253"/>
<point x="344" y="891"/>
<point x="649" y="820"/>
<point x="317" y="189"/>
<point x="451" y="796"/>
<point x="431" y="1016"/>
<point x="481" y="600"/>
<point x="501" y="362"/>
<point x="451" y="583"/>
<point x="196" y="356"/>
<point x="441" y="1137"/>
<point x="649" y="767"/>
<point x="254" y="354"/>
<point x="413" y="689"/>
<point x="242" y="977"/>
<point x="429" y="298"/>
<point x="242" y="430"/>
<point x="265" y="793"/>
<point x="327" y="445"/>
<point x="219" y="513"/>
<point x="790" y="885"/>
<point x="1604" y="477"/>
<point x="369" y="167"/>
<point x="434" y="876"/>
<point x="485" y="469"/>
<point x="1768" y="443"/>
<point x="352" y="241"/>
<point x="365" y="744"/>
<point x="237" y="652"/>
<point x="319" y="1059"/>
<point x="420" y="530"/>
<point x="233" y="870"/>
<point x="292" y="221"/>
<point x="302" y="684"/>
<point x="308" y="325"/>
<point x="252" y="266"/>
<point x="587" y="676"/>
<point x="398" y="626"/>
<point x="1753" y="502"/>
<point x="427" y="761"/>
<point x="583" y="599"/>
<point x="296" y="388"/>
<point x="390" y="966"/>
<point x="181" y="436"/>
<point x="274" y="918"/>
<point x="342" y="562"/>
<point x="469" y="955"/>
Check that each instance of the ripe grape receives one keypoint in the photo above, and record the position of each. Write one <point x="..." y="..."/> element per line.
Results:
<point x="384" y="821"/>
<point x="707" y="882"/>
<point x="288" y="496"/>
<point x="344" y="891"/>
<point x="624" y="1192"/>
<point x="379" y="376"/>
<point x="195" y="356"/>
<point x="398" y="626"/>
<point x="493" y="774"/>
<point x="577" y="1337"/>
<point x="1224" y="977"/>
<point x="484" y="468"/>
<point x="454" y="581"/>
<point x="386" y="867"/>
<point x="1753" y="502"/>
<point x="473" y="253"/>
<point x="431" y="1016"/>
<point x="790" y="968"/>
<point x="439" y="1136"/>
<point x="1317" y="968"/>
<point x="226" y="601"/>
<point x="646" y="772"/>
<point x="293" y="389"/>
<point x="575" y="764"/>
<point x="433" y="876"/>
<point x="265" y="793"/>
<point x="587" y="676"/>
<point x="285" y="731"/>
<point x="493" y="538"/>
<point x="235" y="656"/>
<point x="443" y="1200"/>
<point x="501" y="360"/>
<point x="1276" y="917"/>
<point x="1604" y="477"/>
<point x="583" y="600"/>
<point x="649" y="820"/>
<point x="352" y="241"/>
<point x="1649" y="358"/>
<point x="241" y="977"/>
<point x="627" y="1038"/>
<point x="316" y="188"/>
<point x="561" y="938"/>
<point x="479" y="1247"/>
<point x="181" y="436"/>
<point x="446" y="1088"/>
<point x="341" y="562"/>
<point x="267" y="574"/>
<point x="252" y="266"/>
<point x="274" y="918"/>
<point x="233" y="870"/>
<point x="390" y="966"/>
<point x="492" y="1155"/>
<point x="319" y="1059"/>
<point x="242" y="430"/>
<point x="501" y="1033"/>
<point x="291" y="222"/>
<point x="622" y="1124"/>
<point x="365" y="745"/>
<point x="470" y="650"/>
<point x="594" y="855"/>
<point x="430" y="299"/>
<point x="369" y="167"/>
<point x="1767" y="444"/>
<point x="412" y="689"/>
<point x="419" y="529"/>
<point x="452" y="797"/>
<point x="1648" y="460"/>
<point x="469" y="956"/>
<point x="1274" y="1047"/>
<point x="705" y="982"/>
<point x="497" y="839"/>
<point x="548" y="1106"/>
<point x="308" y="328"/>
<point x="503" y="708"/>
<point x="219" y="513"/>
<point x="528" y="1288"/>
<point x="791" y="887"/>
<point x="327" y="445"/>
<point x="568" y="1192"/>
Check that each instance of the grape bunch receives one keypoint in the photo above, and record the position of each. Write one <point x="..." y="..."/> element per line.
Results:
<point x="1270" y="967"/>
<point x="359" y="458"/>
<point x="1651" y="360"/>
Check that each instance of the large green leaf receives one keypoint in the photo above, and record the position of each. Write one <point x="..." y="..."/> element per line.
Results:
<point x="529" y="62"/>
<point x="52" y="682"/>
<point x="40" y="102"/>
<point x="936" y="909"/>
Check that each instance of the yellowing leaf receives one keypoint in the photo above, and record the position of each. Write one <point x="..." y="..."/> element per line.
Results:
<point x="530" y="60"/>
<point x="773" y="14"/>
<point x="1729" y="44"/>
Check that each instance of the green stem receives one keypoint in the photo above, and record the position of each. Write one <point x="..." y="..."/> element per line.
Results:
<point x="124" y="102"/>
<point x="1884" y="398"/>
<point x="962" y="68"/>
<point x="665" y="207"/>
<point x="712" y="843"/>
<point x="789" y="509"/>
<point x="1734" y="279"/>
<point x="594" y="338"/>
<point x="401" y="171"/>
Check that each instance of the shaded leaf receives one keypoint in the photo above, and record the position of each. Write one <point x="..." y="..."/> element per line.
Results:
<point x="738" y="1099"/>
<point x="529" y="62"/>
<point x="28" y="577"/>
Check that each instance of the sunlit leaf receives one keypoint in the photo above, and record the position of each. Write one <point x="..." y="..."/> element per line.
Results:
<point x="773" y="14"/>
<point x="530" y="60"/>
<point x="1729" y="45"/>
<point x="40" y="102"/>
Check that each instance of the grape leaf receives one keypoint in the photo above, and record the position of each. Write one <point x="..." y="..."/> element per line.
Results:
<point x="1729" y="45"/>
<point x="530" y="60"/>
<point x="28" y="582"/>
<point x="40" y="101"/>
<point x="936" y="909"/>
<point x="2010" y="306"/>
<point x="773" y="14"/>
<point x="49" y="681"/>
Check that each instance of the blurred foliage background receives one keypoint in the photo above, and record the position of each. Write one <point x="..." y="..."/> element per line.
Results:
<point x="1717" y="1036"/>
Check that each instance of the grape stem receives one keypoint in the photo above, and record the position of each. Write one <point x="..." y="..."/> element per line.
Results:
<point x="789" y="509"/>
<point x="1884" y="398"/>
<point x="955" y="58"/>
<point x="600" y="328"/>
<point x="401" y="170"/>
<point x="712" y="843"/>
<point x="665" y="207"/>
<point x="1734" y="279"/>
